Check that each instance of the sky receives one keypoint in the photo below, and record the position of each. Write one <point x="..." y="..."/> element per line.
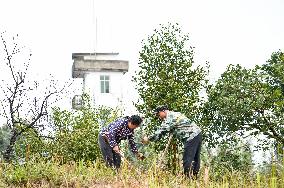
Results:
<point x="223" y="32"/>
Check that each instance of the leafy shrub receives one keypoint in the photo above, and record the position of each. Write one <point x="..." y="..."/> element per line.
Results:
<point x="76" y="133"/>
<point x="74" y="136"/>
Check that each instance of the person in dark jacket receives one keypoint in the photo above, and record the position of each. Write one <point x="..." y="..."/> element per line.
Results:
<point x="111" y="135"/>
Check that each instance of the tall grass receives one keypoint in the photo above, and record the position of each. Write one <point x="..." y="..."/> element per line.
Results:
<point x="42" y="173"/>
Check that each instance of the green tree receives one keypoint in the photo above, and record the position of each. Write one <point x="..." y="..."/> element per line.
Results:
<point x="247" y="101"/>
<point x="168" y="75"/>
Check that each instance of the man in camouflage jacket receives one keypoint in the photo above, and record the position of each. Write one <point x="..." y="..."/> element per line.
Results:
<point x="182" y="128"/>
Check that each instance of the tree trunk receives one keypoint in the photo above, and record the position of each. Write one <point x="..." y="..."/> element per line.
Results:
<point x="10" y="148"/>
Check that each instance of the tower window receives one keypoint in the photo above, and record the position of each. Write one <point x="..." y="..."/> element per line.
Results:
<point x="104" y="79"/>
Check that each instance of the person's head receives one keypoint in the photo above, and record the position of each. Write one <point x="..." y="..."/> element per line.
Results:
<point x="161" y="112"/>
<point x="134" y="121"/>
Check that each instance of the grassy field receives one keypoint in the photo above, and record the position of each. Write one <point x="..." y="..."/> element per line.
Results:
<point x="51" y="173"/>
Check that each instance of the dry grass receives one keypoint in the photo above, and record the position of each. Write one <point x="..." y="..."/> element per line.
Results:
<point x="42" y="174"/>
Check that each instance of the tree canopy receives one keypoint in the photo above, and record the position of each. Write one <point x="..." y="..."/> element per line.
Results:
<point x="248" y="101"/>
<point x="168" y="74"/>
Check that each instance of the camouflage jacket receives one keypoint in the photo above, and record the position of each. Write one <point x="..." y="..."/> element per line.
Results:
<point x="177" y="124"/>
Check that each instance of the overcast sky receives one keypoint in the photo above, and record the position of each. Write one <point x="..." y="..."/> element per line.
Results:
<point x="222" y="31"/>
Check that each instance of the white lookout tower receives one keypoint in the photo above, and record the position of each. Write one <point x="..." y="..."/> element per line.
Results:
<point x="102" y="75"/>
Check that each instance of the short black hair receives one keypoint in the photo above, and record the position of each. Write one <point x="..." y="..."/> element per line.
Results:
<point x="161" y="108"/>
<point x="135" y="119"/>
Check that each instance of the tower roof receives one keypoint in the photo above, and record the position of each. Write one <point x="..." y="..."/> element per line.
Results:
<point x="97" y="62"/>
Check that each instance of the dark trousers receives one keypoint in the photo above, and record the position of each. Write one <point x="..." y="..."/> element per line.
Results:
<point x="191" y="156"/>
<point x="111" y="158"/>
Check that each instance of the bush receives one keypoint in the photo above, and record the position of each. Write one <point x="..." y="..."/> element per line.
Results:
<point x="231" y="157"/>
<point x="76" y="133"/>
<point x="74" y="136"/>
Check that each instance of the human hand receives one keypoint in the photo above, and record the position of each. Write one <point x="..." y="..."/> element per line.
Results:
<point x="116" y="149"/>
<point x="145" y="140"/>
<point x="140" y="156"/>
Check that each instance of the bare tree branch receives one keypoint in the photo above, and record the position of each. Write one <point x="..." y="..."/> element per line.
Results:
<point x="23" y="109"/>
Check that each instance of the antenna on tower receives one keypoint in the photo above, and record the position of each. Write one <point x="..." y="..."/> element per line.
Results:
<point x="96" y="40"/>
<point x="95" y="23"/>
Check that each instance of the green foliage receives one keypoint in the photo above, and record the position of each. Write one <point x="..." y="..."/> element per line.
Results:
<point x="76" y="133"/>
<point x="247" y="100"/>
<point x="168" y="75"/>
<point x="30" y="143"/>
<point x="5" y="134"/>
<point x="274" y="77"/>
<point x="74" y="136"/>
<point x="231" y="157"/>
<point x="274" y="69"/>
